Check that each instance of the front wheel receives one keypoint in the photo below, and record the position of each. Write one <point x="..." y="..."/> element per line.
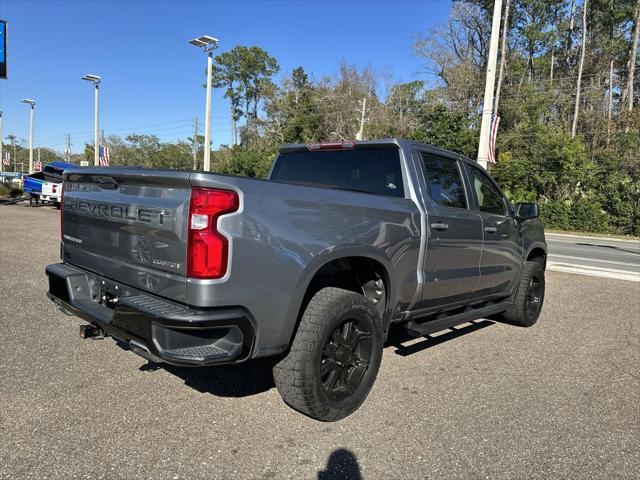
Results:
<point x="526" y="304"/>
<point x="334" y="357"/>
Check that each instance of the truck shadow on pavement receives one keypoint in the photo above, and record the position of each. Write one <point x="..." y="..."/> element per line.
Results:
<point x="398" y="337"/>
<point x="241" y="380"/>
<point x="613" y="247"/>
<point x="254" y="376"/>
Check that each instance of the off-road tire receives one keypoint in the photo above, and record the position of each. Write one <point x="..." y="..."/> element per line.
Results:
<point x="520" y="312"/>
<point x="298" y="375"/>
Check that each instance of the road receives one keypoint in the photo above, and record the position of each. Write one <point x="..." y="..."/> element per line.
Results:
<point x="486" y="400"/>
<point x="595" y="256"/>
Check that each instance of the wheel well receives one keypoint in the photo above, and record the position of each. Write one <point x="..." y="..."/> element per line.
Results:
<point x="358" y="274"/>
<point x="538" y="255"/>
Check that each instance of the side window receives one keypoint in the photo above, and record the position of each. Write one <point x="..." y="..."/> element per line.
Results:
<point x="444" y="181"/>
<point x="489" y="198"/>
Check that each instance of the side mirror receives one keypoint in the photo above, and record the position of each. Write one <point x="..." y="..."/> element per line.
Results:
<point x="527" y="211"/>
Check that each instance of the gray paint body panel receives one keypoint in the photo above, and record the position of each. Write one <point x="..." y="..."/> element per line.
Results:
<point x="279" y="238"/>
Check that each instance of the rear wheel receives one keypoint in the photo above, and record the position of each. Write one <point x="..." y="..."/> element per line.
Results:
<point x="527" y="301"/>
<point x="334" y="357"/>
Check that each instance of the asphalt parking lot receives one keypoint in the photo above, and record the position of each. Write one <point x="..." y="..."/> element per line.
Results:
<point x="558" y="400"/>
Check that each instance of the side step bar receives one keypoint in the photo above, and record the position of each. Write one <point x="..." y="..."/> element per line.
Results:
<point x="419" y="329"/>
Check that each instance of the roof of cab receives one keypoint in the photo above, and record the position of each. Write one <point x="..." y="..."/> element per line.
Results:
<point x="62" y="165"/>
<point x="355" y="144"/>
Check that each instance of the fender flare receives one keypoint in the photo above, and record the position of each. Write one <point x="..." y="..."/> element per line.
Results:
<point x="325" y="257"/>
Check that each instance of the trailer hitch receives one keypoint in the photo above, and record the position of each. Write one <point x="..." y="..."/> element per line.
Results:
<point x="91" y="331"/>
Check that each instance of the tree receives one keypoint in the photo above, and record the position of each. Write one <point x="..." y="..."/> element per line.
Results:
<point x="226" y="74"/>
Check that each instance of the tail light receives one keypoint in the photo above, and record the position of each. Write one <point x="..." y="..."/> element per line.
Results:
<point x="208" y="250"/>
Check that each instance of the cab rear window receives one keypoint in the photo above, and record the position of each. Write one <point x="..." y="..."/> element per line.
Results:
<point x="375" y="170"/>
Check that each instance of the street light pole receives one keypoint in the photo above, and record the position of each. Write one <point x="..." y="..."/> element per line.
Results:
<point x="96" y="121"/>
<point x="32" y="103"/>
<point x="208" y="44"/>
<point x="207" y="122"/>
<point x="95" y="79"/>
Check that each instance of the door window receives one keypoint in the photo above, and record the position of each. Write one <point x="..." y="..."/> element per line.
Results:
<point x="489" y="198"/>
<point x="444" y="181"/>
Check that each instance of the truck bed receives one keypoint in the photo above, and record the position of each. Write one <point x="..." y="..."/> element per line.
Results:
<point x="131" y="226"/>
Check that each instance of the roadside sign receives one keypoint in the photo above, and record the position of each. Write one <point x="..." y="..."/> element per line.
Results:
<point x="84" y="163"/>
<point x="3" y="49"/>
<point x="11" y="174"/>
<point x="37" y="167"/>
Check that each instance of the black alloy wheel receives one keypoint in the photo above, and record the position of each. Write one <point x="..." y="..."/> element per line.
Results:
<point x="345" y="358"/>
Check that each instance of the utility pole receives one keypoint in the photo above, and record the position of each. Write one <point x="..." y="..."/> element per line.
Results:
<point x="487" y="108"/>
<point x="576" y="110"/>
<point x="632" y="58"/>
<point x="195" y="143"/>
<point x="67" y="150"/>
<point x="39" y="158"/>
<point x="503" y="56"/>
<point x="360" y="134"/>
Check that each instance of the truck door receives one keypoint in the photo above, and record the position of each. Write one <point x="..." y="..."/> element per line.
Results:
<point x="454" y="230"/>
<point x="502" y="246"/>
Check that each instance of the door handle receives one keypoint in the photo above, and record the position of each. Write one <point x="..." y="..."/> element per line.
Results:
<point x="440" y="226"/>
<point x="490" y="229"/>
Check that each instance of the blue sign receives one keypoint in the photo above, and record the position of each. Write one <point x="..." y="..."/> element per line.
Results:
<point x="3" y="35"/>
<point x="11" y="174"/>
<point x="3" y="49"/>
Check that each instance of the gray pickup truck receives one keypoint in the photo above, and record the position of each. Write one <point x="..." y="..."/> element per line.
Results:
<point x="311" y="266"/>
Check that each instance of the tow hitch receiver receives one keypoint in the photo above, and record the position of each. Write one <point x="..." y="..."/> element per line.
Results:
<point x="91" y="331"/>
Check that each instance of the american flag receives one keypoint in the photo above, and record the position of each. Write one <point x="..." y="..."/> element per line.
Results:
<point x="493" y="133"/>
<point x="103" y="156"/>
<point x="6" y="158"/>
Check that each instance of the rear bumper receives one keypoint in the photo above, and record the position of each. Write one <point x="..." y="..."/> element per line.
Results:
<point x="154" y="328"/>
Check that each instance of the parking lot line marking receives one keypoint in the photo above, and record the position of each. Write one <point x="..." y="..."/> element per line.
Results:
<point x="597" y="260"/>
<point x="593" y="271"/>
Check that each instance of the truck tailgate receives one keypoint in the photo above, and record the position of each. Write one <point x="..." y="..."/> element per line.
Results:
<point x="129" y="226"/>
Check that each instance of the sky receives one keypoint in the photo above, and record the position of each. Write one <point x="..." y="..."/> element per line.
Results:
<point x="152" y="79"/>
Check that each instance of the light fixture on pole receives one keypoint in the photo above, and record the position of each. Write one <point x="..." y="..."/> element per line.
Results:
<point x="208" y="44"/>
<point x="95" y="79"/>
<point x="32" y="103"/>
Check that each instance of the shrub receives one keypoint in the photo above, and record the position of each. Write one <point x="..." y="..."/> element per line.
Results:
<point x="555" y="214"/>
<point x="583" y="215"/>
<point x="587" y="216"/>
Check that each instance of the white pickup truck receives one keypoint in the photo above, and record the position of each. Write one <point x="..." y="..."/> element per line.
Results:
<point x="46" y="186"/>
<point x="52" y="192"/>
